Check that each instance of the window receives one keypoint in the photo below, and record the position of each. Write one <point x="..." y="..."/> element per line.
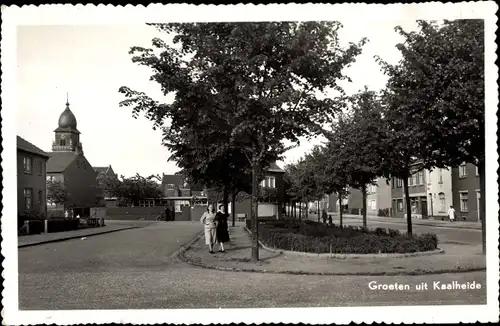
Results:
<point x="28" y="198"/>
<point x="271" y="182"/>
<point x="372" y="204"/>
<point x="27" y="164"/>
<point x="477" y="171"/>
<point x="421" y="178"/>
<point x="410" y="181"/>
<point x="442" y="203"/>
<point x="50" y="178"/>
<point x="39" y="167"/>
<point x="440" y="175"/>
<point x="146" y="203"/>
<point x="400" y="205"/>
<point x="414" y="179"/>
<point x="399" y="183"/>
<point x="464" y="202"/>
<point x="268" y="182"/>
<point x="62" y="142"/>
<point x="40" y="195"/>
<point x="462" y="171"/>
<point x="413" y="202"/>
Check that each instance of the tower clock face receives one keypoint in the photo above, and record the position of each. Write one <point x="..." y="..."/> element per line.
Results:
<point x="63" y="136"/>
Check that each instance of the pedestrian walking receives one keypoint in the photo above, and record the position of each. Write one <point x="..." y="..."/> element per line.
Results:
<point x="324" y="216"/>
<point x="222" y="228"/>
<point x="451" y="214"/>
<point x="330" y="220"/>
<point x="208" y="220"/>
<point x="167" y="214"/>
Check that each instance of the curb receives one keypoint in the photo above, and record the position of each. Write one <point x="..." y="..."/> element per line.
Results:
<point x="461" y="227"/>
<point x="391" y="273"/>
<point x="74" y="237"/>
<point x="180" y="255"/>
<point x="349" y="256"/>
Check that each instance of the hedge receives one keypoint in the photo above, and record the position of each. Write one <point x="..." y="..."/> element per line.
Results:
<point x="57" y="225"/>
<point x="319" y="238"/>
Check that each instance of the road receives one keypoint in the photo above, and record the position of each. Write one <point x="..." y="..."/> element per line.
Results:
<point x="446" y="234"/>
<point x="135" y="269"/>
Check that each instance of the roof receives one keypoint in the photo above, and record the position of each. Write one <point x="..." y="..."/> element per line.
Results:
<point x="273" y="167"/>
<point x="24" y="145"/>
<point x="101" y="169"/>
<point x="59" y="161"/>
<point x="169" y="179"/>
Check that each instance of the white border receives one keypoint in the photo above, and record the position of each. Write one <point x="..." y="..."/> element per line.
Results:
<point x="107" y="15"/>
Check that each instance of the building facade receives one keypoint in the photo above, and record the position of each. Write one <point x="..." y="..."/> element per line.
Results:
<point x="417" y="188"/>
<point x="466" y="192"/>
<point x="352" y="204"/>
<point x="68" y="165"/>
<point x="439" y="190"/>
<point x="31" y="174"/>
<point x="104" y="196"/>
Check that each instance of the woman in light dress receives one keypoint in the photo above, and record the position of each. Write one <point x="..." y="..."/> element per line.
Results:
<point x="208" y="220"/>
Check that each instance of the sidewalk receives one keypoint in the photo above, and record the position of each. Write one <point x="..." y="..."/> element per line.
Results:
<point x="38" y="239"/>
<point x="436" y="223"/>
<point x="456" y="258"/>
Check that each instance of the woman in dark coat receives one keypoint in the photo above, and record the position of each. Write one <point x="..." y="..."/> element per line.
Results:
<point x="222" y="229"/>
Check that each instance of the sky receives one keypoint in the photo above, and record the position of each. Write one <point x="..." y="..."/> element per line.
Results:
<point x="91" y="62"/>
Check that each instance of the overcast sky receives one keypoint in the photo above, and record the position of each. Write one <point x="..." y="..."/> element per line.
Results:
<point x="92" y="62"/>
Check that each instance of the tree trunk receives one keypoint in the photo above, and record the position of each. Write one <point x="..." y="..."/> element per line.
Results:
<point x="340" y="210"/>
<point x="363" y="191"/>
<point x="317" y="211"/>
<point x="482" y="202"/>
<point x="255" y="227"/>
<point x="408" y="205"/>
<point x="307" y="210"/>
<point x="300" y="211"/>
<point x="233" y="207"/>
<point x="225" y="199"/>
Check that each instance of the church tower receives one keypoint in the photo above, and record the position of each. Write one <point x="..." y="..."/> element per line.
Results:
<point x="67" y="137"/>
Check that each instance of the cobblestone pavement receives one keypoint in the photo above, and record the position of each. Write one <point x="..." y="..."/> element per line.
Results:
<point x="137" y="268"/>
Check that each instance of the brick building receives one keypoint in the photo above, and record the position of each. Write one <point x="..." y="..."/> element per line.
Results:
<point x="31" y="174"/>
<point x="466" y="192"/>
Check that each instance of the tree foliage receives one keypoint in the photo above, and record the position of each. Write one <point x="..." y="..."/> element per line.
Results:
<point x="245" y="86"/>
<point x="57" y="192"/>
<point x="133" y="189"/>
<point x="435" y="98"/>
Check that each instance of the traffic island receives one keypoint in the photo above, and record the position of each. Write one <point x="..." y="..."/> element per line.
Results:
<point x="452" y="258"/>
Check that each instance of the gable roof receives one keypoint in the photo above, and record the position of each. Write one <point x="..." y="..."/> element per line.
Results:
<point x="174" y="179"/>
<point x="24" y="145"/>
<point x="101" y="169"/>
<point x="59" y="161"/>
<point x="273" y="167"/>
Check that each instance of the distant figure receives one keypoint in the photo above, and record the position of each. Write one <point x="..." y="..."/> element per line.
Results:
<point x="451" y="214"/>
<point x="324" y="216"/>
<point x="330" y="219"/>
<point x="222" y="228"/>
<point x="66" y="214"/>
<point x="167" y="213"/>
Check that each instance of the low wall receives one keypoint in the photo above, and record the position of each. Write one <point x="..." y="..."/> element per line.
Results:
<point x="134" y="213"/>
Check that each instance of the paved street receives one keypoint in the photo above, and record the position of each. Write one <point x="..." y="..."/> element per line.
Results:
<point x="135" y="269"/>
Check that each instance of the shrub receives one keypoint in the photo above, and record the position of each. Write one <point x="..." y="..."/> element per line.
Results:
<point x="355" y="211"/>
<point x="320" y="238"/>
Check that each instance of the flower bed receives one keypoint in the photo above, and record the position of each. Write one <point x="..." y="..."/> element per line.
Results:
<point x="315" y="237"/>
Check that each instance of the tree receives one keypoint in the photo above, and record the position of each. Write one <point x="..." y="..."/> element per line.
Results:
<point x="439" y="83"/>
<point x="337" y="179"/>
<point x="57" y="192"/>
<point x="133" y="189"/>
<point x="257" y="82"/>
<point x="362" y="153"/>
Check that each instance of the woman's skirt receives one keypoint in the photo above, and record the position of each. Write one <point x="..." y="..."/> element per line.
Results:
<point x="210" y="236"/>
